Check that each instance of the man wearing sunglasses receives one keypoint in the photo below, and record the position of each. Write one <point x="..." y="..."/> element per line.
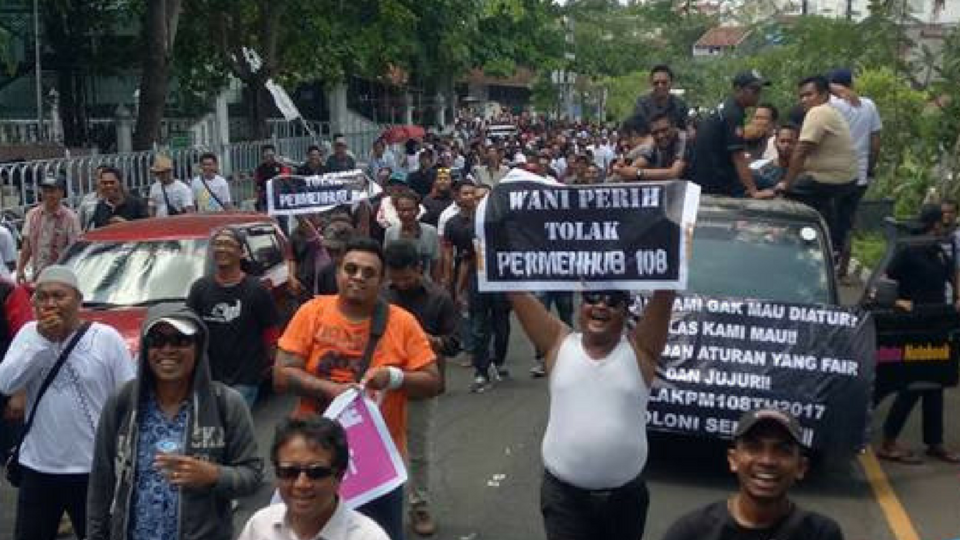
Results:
<point x="173" y="447"/>
<point x="322" y="353"/>
<point x="310" y="456"/>
<point x="595" y="446"/>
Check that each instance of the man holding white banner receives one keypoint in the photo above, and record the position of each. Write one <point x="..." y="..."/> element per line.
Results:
<point x="334" y="342"/>
<point x="594" y="239"/>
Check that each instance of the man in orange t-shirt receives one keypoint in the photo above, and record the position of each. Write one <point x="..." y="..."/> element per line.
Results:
<point x="320" y="352"/>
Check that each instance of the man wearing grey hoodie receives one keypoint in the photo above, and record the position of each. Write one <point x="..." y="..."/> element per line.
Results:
<point x="173" y="447"/>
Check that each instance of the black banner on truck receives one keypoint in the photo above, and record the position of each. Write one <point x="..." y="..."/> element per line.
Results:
<point x="725" y="357"/>
<point x="537" y="234"/>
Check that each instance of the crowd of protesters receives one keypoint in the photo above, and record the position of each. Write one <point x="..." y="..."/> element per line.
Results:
<point x="388" y="294"/>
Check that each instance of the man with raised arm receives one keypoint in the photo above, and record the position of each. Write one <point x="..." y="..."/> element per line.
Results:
<point x="595" y="446"/>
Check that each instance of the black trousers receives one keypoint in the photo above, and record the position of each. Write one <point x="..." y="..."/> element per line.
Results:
<point x="42" y="500"/>
<point x="932" y="414"/>
<point x="837" y="203"/>
<point x="572" y="513"/>
<point x="489" y="320"/>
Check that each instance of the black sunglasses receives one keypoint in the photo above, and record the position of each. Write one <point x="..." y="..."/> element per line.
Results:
<point x="157" y="341"/>
<point x="611" y="300"/>
<point x="313" y="472"/>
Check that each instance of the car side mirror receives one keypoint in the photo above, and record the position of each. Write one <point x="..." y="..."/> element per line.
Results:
<point x="885" y="292"/>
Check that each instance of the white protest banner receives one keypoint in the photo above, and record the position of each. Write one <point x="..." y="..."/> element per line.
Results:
<point x="537" y="234"/>
<point x="376" y="467"/>
<point x="283" y="101"/>
<point x="292" y="195"/>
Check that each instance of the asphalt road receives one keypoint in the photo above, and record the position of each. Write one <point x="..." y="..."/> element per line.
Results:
<point x="487" y="470"/>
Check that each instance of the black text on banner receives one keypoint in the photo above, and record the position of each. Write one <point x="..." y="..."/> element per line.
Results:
<point x="536" y="234"/>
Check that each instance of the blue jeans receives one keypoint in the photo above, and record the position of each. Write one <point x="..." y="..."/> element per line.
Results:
<point x="249" y="393"/>
<point x="387" y="511"/>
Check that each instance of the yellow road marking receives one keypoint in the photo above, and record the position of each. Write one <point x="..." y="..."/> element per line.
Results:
<point x="896" y="515"/>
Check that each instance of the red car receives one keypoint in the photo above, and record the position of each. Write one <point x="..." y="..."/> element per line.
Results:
<point x="125" y="268"/>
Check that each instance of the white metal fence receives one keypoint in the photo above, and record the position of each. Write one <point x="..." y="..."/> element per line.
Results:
<point x="238" y="161"/>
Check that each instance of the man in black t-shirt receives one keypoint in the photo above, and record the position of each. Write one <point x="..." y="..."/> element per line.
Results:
<point x="422" y="179"/>
<point x="922" y="273"/>
<point x="489" y="313"/>
<point x="720" y="164"/>
<point x="240" y="314"/>
<point x="115" y="205"/>
<point x="767" y="457"/>
<point x="661" y="100"/>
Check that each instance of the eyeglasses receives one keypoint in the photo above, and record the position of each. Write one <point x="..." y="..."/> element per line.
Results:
<point x="365" y="272"/>
<point x="158" y="341"/>
<point x="313" y="472"/>
<point x="609" y="299"/>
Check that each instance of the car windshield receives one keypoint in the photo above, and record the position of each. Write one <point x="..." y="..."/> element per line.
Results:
<point x="136" y="272"/>
<point x="759" y="259"/>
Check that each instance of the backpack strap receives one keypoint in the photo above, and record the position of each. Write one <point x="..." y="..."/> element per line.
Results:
<point x="378" y="325"/>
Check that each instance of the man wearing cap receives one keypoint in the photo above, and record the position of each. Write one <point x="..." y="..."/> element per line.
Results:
<point x="48" y="229"/>
<point x="593" y="483"/>
<point x="768" y="458"/>
<point x="173" y="447"/>
<point x="720" y="164"/>
<point x="240" y="314"/>
<point x="57" y="452"/>
<point x="823" y="168"/>
<point x="340" y="160"/>
<point x="168" y="196"/>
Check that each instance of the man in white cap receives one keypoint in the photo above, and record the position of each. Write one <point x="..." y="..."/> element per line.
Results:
<point x="168" y="196"/>
<point x="85" y="363"/>
<point x="48" y="229"/>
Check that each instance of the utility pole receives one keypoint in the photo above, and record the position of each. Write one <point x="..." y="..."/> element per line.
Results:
<point x="37" y="68"/>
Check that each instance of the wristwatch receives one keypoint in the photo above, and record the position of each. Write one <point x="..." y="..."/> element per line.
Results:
<point x="639" y="174"/>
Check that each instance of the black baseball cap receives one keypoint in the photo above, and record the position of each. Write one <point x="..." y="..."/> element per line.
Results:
<point x="51" y="181"/>
<point x="750" y="78"/>
<point x="752" y="419"/>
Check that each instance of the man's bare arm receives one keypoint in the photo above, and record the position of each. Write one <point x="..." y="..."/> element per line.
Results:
<point x="543" y="329"/>
<point x="799" y="158"/>
<point x="670" y="173"/>
<point x="422" y="383"/>
<point x="650" y="335"/>
<point x="874" y="152"/>
<point x="290" y="376"/>
<point x="743" y="171"/>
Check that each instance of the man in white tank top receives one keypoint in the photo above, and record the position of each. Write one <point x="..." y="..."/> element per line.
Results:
<point x="595" y="446"/>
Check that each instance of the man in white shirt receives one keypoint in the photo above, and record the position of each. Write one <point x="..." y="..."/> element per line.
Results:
<point x="8" y="252"/>
<point x="310" y="456"/>
<point x="168" y="196"/>
<point x="56" y="454"/>
<point x="865" y="125"/>
<point x="210" y="190"/>
<point x="593" y="471"/>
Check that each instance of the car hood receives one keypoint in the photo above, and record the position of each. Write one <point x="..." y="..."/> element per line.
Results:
<point x="127" y="321"/>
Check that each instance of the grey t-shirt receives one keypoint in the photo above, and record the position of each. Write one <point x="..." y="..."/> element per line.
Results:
<point x="428" y="244"/>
